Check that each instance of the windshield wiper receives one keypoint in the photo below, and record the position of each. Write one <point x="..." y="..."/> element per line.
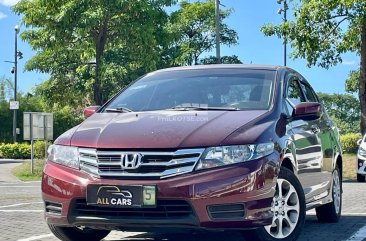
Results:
<point x="199" y="108"/>
<point x="118" y="110"/>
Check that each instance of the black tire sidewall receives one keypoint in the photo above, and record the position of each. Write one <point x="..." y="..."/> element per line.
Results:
<point x="74" y="234"/>
<point x="340" y="201"/>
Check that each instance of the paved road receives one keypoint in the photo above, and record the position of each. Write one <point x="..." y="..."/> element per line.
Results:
<point x="21" y="217"/>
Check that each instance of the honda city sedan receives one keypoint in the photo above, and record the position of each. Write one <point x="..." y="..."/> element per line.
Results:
<point x="219" y="147"/>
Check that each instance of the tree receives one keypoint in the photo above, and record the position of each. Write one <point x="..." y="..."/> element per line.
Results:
<point x="322" y="30"/>
<point x="193" y="30"/>
<point x="344" y="109"/>
<point x="71" y="35"/>
<point x="353" y="81"/>
<point x="224" y="60"/>
<point x="6" y="89"/>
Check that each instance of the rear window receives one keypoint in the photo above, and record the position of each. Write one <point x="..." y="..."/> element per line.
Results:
<point x="233" y="88"/>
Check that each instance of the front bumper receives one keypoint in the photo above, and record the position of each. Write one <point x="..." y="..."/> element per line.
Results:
<point x="361" y="165"/>
<point x="250" y="185"/>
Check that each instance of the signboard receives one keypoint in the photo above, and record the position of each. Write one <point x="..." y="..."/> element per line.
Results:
<point x="38" y="126"/>
<point x="14" y="105"/>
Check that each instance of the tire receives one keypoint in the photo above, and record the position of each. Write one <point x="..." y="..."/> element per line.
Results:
<point x="331" y="212"/>
<point x="360" y="178"/>
<point x="290" y="211"/>
<point x="77" y="234"/>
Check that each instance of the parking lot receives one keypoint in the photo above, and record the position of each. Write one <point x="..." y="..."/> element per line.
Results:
<point x="21" y="217"/>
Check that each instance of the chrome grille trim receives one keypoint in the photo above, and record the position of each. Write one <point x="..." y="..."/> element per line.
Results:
<point x="154" y="164"/>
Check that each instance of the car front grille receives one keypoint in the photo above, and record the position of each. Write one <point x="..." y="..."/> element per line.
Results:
<point x="163" y="209"/>
<point x="157" y="164"/>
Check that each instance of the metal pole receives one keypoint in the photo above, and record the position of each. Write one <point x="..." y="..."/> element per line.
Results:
<point x="31" y="139"/>
<point x="217" y="23"/>
<point x="15" y="82"/>
<point x="285" y="34"/>
<point x="45" y="122"/>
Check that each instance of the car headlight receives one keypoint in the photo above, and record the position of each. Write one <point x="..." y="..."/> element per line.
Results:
<point x="361" y="152"/>
<point x="226" y="155"/>
<point x="64" y="155"/>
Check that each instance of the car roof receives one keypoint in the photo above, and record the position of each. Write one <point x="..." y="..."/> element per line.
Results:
<point x="222" y="66"/>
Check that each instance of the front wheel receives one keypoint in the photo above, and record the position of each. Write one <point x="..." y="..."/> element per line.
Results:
<point x="78" y="233"/>
<point x="288" y="208"/>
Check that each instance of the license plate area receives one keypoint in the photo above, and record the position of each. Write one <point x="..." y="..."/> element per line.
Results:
<point x="124" y="196"/>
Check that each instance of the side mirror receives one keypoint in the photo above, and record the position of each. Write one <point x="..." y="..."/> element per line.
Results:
<point x="90" y="110"/>
<point x="359" y="142"/>
<point x="307" y="111"/>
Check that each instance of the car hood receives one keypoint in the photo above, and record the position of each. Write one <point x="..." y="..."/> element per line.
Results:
<point x="157" y="130"/>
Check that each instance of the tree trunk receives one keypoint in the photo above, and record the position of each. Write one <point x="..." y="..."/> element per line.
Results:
<point x="100" y="42"/>
<point x="362" y="82"/>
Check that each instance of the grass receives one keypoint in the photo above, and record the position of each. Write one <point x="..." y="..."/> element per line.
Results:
<point x="349" y="167"/>
<point x="23" y="171"/>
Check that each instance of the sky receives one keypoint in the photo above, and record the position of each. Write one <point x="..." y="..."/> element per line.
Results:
<point x="253" y="47"/>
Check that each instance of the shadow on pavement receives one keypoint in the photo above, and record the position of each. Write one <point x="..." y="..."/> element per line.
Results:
<point x="6" y="161"/>
<point x="313" y="230"/>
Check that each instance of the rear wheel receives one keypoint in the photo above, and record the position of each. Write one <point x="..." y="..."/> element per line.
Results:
<point x="288" y="208"/>
<point x="331" y="212"/>
<point x="360" y="178"/>
<point x="78" y="233"/>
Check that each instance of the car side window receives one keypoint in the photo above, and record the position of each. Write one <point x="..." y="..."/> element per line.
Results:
<point x="293" y="95"/>
<point x="308" y="92"/>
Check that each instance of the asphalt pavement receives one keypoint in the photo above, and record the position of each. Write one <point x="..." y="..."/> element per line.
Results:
<point x="21" y="217"/>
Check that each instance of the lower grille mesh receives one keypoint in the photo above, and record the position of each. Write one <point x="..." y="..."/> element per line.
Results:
<point x="164" y="209"/>
<point x="226" y="211"/>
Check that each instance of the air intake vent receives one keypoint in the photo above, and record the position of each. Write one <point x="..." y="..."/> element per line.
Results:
<point x="53" y="208"/>
<point x="226" y="211"/>
<point x="164" y="209"/>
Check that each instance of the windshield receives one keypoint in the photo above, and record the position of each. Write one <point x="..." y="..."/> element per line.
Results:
<point x="218" y="89"/>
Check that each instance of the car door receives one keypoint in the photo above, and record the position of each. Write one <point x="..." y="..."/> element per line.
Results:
<point x="327" y="141"/>
<point x="306" y="143"/>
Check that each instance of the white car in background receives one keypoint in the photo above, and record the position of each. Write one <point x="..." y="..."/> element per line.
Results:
<point x="361" y="160"/>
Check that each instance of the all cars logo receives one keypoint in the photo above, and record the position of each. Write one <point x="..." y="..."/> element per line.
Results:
<point x="112" y="195"/>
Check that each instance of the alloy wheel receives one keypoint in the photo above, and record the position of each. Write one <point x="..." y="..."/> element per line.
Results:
<point x="286" y="210"/>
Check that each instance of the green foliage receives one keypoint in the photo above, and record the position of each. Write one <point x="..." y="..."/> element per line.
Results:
<point x="349" y="142"/>
<point x="15" y="151"/>
<point x="6" y="89"/>
<point x="22" y="150"/>
<point x="80" y="41"/>
<point x="322" y="30"/>
<point x="6" y="120"/>
<point x="193" y="29"/>
<point x="353" y="81"/>
<point x="344" y="109"/>
<point x="223" y="60"/>
<point x="64" y="118"/>
<point x="39" y="150"/>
